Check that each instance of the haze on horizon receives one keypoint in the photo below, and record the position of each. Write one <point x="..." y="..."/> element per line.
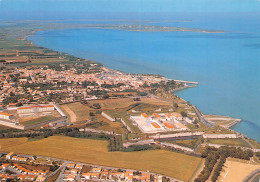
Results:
<point x="80" y="9"/>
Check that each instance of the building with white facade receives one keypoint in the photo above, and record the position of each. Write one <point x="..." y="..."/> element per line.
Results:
<point x="7" y="116"/>
<point x="35" y="109"/>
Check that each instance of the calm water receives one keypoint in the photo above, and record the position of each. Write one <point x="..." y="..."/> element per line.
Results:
<point x="226" y="65"/>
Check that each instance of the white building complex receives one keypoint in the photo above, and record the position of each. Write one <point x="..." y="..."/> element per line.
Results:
<point x="159" y="122"/>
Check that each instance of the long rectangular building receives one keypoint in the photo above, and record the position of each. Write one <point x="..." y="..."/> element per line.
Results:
<point x="6" y="116"/>
<point x="35" y="109"/>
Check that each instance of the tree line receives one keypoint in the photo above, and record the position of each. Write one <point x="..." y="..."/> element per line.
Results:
<point x="213" y="155"/>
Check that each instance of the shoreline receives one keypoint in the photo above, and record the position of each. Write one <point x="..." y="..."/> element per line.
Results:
<point x="32" y="33"/>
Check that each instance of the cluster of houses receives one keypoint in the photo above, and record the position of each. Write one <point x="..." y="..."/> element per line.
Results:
<point x="70" y="83"/>
<point x="23" y="170"/>
<point x="75" y="171"/>
<point x="19" y="171"/>
<point x="159" y="122"/>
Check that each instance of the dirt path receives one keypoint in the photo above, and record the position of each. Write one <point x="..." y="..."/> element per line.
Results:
<point x="73" y="117"/>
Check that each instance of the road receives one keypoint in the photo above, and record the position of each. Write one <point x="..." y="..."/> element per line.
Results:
<point x="62" y="168"/>
<point x="201" y="118"/>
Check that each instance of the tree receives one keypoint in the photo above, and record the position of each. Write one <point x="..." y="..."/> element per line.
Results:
<point x="175" y="105"/>
<point x="184" y="114"/>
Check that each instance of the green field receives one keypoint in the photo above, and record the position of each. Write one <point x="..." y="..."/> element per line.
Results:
<point x="232" y="142"/>
<point x="38" y="120"/>
<point x="80" y="113"/>
<point x="187" y="143"/>
<point x="172" y="164"/>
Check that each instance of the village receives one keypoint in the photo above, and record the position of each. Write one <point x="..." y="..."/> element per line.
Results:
<point x="51" y="100"/>
<point x="36" y="84"/>
<point x="31" y="168"/>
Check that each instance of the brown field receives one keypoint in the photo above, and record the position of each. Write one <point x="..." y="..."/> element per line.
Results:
<point x="172" y="164"/>
<point x="236" y="170"/>
<point x="9" y="142"/>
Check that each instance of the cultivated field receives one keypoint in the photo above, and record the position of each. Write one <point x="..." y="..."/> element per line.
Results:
<point x="236" y="170"/>
<point x="9" y="142"/>
<point x="173" y="164"/>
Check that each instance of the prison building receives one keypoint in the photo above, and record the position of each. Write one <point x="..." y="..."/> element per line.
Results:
<point x="6" y="116"/>
<point x="35" y="109"/>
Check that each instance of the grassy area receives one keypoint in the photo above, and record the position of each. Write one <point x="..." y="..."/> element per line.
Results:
<point x="80" y="113"/>
<point x="2" y="127"/>
<point x="187" y="143"/>
<point x="254" y="143"/>
<point x="173" y="164"/>
<point x="126" y="102"/>
<point x="232" y="142"/>
<point x="38" y="120"/>
<point x="9" y="142"/>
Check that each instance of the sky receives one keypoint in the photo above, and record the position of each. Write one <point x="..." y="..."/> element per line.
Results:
<point x="64" y="9"/>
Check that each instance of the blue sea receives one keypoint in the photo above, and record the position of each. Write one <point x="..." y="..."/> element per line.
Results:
<point x="226" y="65"/>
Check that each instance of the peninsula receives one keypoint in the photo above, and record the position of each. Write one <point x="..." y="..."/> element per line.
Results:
<point x="67" y="118"/>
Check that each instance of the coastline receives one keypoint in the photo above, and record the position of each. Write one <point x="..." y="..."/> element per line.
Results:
<point x="32" y="33"/>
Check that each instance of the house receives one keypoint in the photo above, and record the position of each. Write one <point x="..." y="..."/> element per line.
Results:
<point x="70" y="177"/>
<point x="168" y="115"/>
<point x="5" y="165"/>
<point x="91" y="175"/>
<point x="104" y="174"/>
<point x="117" y="175"/>
<point x="26" y="177"/>
<point x="22" y="159"/>
<point x="41" y="178"/>
<point x="96" y="169"/>
<point x="129" y="175"/>
<point x="144" y="116"/>
<point x="79" y="166"/>
<point x="70" y="165"/>
<point x="156" y="115"/>
<point x="10" y="155"/>
<point x="74" y="171"/>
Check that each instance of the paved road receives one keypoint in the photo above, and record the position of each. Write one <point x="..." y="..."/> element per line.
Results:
<point x="61" y="176"/>
<point x="201" y="118"/>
